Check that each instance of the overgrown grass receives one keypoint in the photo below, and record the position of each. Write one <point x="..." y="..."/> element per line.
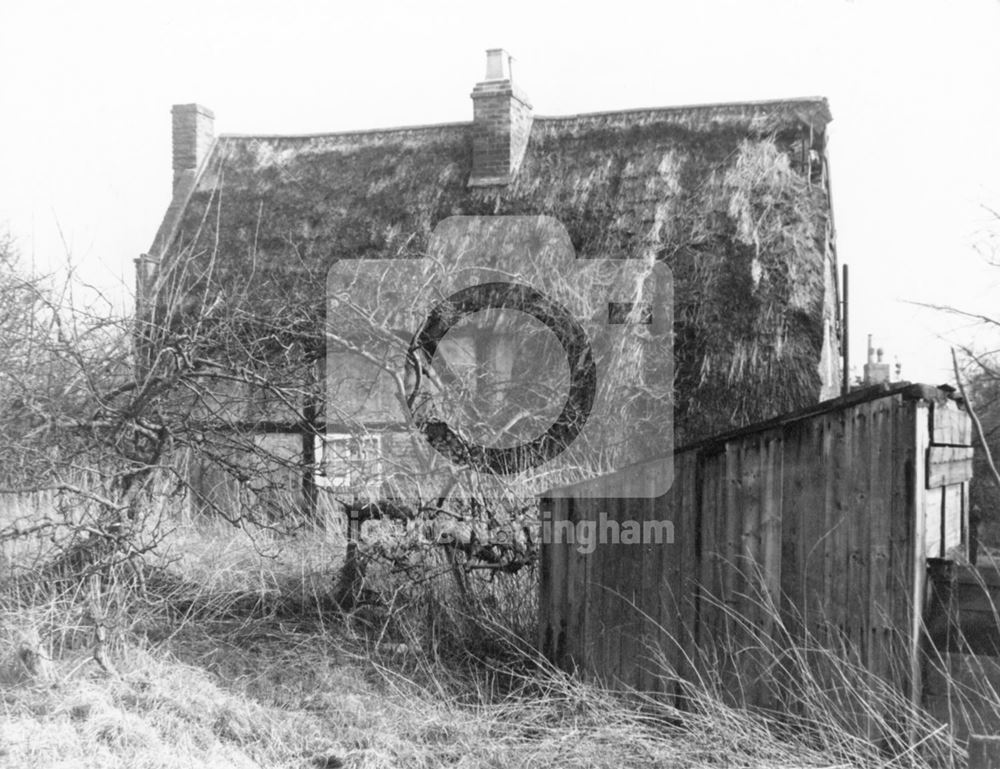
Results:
<point x="224" y="649"/>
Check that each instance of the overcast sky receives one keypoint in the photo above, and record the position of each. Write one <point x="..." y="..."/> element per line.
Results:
<point x="86" y="90"/>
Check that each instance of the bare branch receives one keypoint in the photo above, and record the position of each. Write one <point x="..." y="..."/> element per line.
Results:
<point x="975" y="420"/>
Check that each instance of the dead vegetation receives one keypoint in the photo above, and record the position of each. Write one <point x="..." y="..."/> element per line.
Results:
<point x="229" y="654"/>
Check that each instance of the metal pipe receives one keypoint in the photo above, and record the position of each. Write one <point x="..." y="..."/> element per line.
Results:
<point x="845" y="338"/>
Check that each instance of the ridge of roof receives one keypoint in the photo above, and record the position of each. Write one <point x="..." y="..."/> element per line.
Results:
<point x="704" y="106"/>
<point x="708" y="106"/>
<point x="351" y="132"/>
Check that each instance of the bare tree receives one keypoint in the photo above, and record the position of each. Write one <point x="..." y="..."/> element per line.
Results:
<point x="102" y="412"/>
<point x="977" y="372"/>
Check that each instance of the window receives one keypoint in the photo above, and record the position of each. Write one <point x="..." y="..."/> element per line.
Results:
<point x="349" y="462"/>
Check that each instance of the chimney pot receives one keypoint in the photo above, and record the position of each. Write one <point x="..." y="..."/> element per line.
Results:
<point x="497" y="64"/>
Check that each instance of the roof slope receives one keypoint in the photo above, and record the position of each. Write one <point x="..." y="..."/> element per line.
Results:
<point x="726" y="194"/>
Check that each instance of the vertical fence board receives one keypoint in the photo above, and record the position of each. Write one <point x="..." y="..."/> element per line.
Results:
<point x="858" y="522"/>
<point x="771" y="513"/>
<point x="712" y="551"/>
<point x="649" y="580"/>
<point x="921" y="422"/>
<point x="652" y="577"/>
<point x="818" y="516"/>
<point x="557" y="575"/>
<point x="837" y="526"/>
<point x="732" y="576"/>
<point x="666" y="566"/>
<point x="688" y="547"/>
<point x="575" y="593"/>
<point x="901" y="544"/>
<point x="795" y="458"/>
<point x="658" y="558"/>
<point x="545" y="592"/>
<point x="880" y="513"/>
<point x="588" y="616"/>
<point x="608" y="616"/>
<point x="798" y="457"/>
<point x="616" y="614"/>
<point x="748" y="664"/>
<point x="771" y="518"/>
<point x="630" y="566"/>
<point x="595" y="611"/>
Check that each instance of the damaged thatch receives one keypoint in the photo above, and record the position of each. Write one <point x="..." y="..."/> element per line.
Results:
<point x="732" y="197"/>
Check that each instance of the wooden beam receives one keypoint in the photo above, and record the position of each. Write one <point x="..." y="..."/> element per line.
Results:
<point x="947" y="465"/>
<point x="918" y="517"/>
<point x="952" y="425"/>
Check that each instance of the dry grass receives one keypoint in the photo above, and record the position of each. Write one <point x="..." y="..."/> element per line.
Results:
<point x="229" y="655"/>
<point x="267" y="696"/>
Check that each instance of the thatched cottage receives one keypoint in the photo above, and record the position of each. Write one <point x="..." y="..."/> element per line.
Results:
<point x="733" y="197"/>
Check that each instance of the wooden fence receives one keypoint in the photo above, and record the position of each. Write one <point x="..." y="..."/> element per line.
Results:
<point x="814" y="524"/>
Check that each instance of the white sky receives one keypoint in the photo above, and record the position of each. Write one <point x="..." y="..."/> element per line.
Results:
<point x="86" y="90"/>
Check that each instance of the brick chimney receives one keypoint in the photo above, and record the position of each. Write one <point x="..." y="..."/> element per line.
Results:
<point x="193" y="134"/>
<point x="501" y="124"/>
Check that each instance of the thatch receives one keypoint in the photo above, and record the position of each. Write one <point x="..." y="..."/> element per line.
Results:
<point x="722" y="193"/>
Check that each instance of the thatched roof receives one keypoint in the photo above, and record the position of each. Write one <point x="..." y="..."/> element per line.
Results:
<point x="732" y="196"/>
